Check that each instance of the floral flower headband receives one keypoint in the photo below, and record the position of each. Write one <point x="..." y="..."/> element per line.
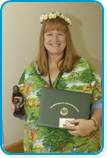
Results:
<point x="54" y="15"/>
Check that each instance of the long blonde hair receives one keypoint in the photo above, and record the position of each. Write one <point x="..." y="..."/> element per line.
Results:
<point x="69" y="57"/>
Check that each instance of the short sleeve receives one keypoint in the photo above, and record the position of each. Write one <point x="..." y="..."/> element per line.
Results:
<point x="97" y="90"/>
<point x="94" y="81"/>
<point x="25" y="80"/>
<point x="97" y="104"/>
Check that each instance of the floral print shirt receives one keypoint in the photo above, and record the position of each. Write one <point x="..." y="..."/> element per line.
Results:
<point x="43" y="139"/>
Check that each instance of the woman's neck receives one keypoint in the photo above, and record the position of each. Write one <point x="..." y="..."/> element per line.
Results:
<point x="54" y="58"/>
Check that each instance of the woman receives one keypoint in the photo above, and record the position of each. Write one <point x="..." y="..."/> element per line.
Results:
<point x="59" y="66"/>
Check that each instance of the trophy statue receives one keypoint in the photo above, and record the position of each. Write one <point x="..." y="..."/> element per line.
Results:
<point x="18" y="101"/>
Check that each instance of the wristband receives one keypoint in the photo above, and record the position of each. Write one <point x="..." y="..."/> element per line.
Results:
<point x="95" y="123"/>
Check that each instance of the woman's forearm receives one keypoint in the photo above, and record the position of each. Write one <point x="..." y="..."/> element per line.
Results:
<point x="97" y="115"/>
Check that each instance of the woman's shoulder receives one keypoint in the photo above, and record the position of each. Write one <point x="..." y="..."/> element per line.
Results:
<point x="32" y="68"/>
<point x="82" y="62"/>
<point x="81" y="66"/>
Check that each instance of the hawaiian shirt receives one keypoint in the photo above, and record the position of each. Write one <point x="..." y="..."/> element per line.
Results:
<point x="39" y="139"/>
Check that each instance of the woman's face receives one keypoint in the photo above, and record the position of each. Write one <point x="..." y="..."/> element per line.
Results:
<point x="55" y="41"/>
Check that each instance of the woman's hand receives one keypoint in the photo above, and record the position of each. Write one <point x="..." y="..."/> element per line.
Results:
<point x="80" y="127"/>
<point x="12" y="107"/>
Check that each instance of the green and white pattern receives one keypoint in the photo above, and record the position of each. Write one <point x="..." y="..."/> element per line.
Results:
<point x="41" y="139"/>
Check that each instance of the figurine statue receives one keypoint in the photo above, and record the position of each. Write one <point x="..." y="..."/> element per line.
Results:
<point x="18" y="101"/>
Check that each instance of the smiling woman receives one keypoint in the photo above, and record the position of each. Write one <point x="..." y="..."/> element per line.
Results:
<point x="55" y="36"/>
<point x="55" y="42"/>
<point x="60" y="67"/>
